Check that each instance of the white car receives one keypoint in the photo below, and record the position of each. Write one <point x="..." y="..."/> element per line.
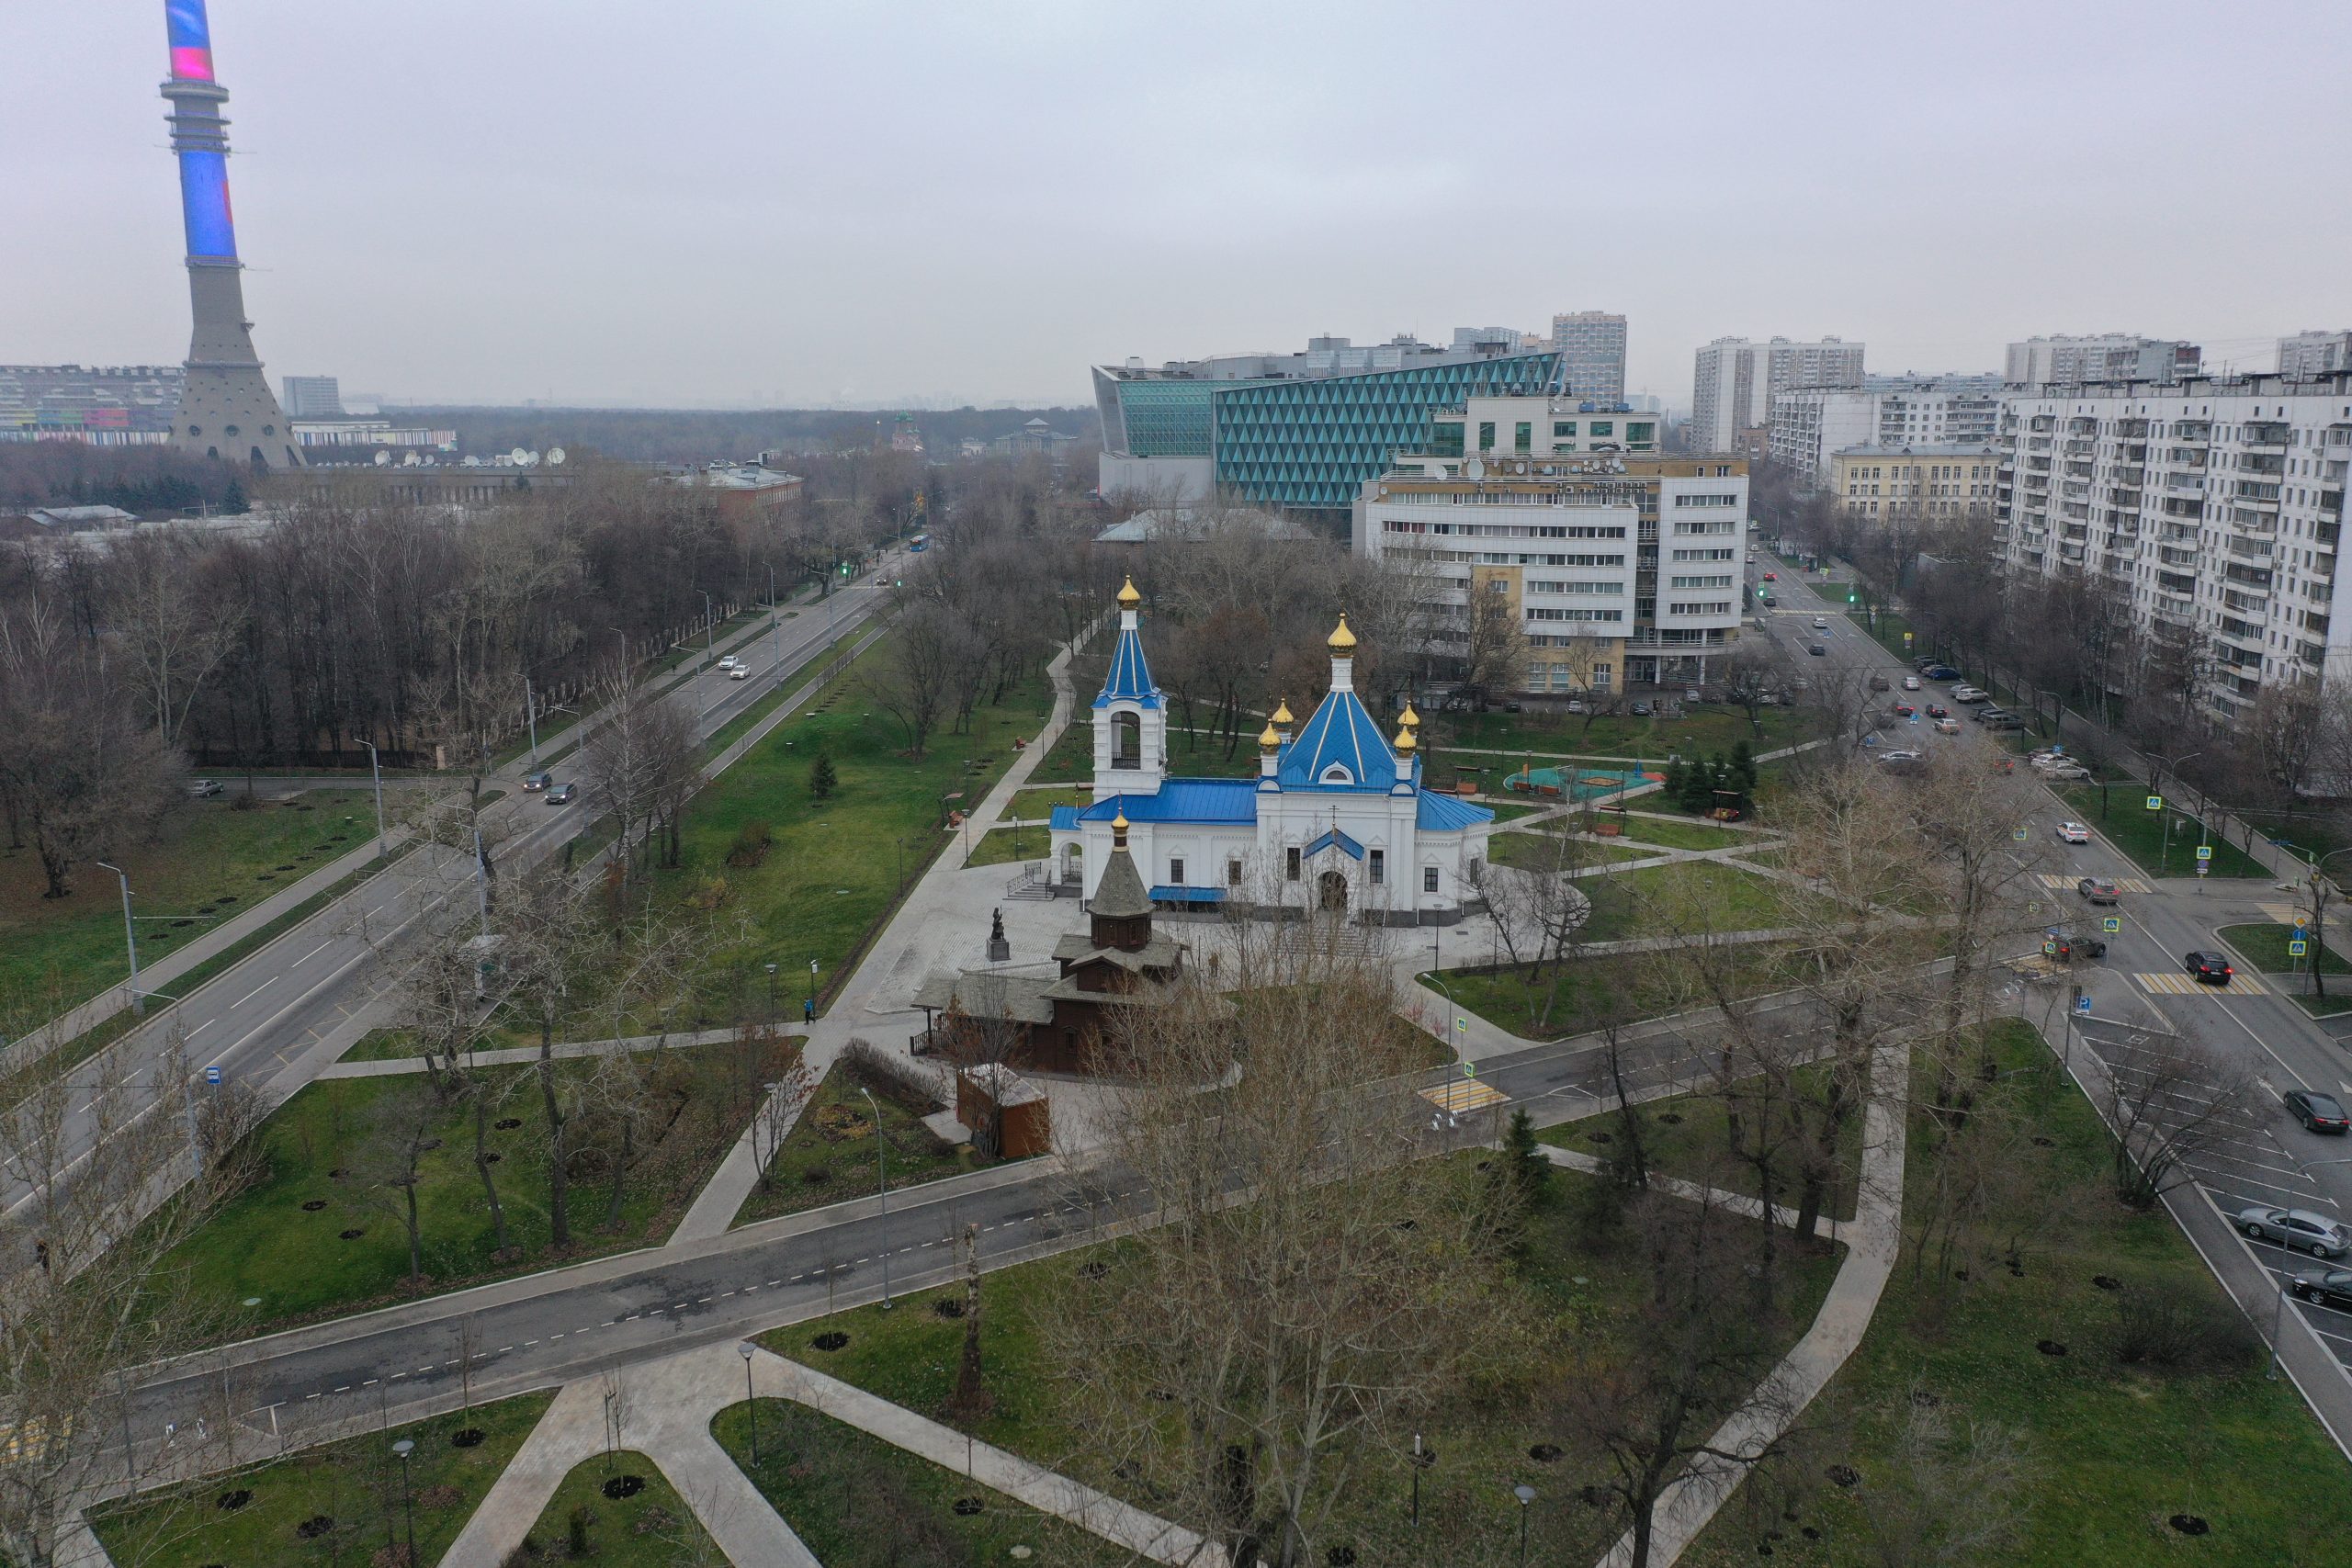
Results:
<point x="2061" y="771"/>
<point x="741" y="672"/>
<point x="728" y="661"/>
<point x="2074" y="833"/>
<point x="1819" y="625"/>
<point x="1910" y="682"/>
<point x="1965" y="693"/>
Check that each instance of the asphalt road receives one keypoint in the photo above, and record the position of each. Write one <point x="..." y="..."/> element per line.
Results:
<point x="255" y="1023"/>
<point x="2140" y="992"/>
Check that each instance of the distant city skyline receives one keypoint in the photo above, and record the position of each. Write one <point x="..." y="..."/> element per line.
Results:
<point x="726" y="247"/>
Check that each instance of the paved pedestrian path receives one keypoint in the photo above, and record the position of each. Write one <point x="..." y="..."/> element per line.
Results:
<point x="1873" y="1239"/>
<point x="509" y="1056"/>
<point x="664" y="1410"/>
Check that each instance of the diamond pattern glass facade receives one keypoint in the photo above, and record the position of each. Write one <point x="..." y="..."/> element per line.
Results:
<point x="1170" y="419"/>
<point x="1313" y="443"/>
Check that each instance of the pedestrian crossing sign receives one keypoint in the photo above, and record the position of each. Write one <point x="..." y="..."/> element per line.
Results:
<point x="2018" y="834"/>
<point x="2111" y="924"/>
<point x="2298" y="947"/>
<point x="2156" y="802"/>
<point x="2204" y="851"/>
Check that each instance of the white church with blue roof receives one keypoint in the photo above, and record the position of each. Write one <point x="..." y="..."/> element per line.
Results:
<point x="1337" y="818"/>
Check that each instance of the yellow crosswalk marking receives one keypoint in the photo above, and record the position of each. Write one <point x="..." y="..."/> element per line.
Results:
<point x="1464" y="1094"/>
<point x="2281" y="914"/>
<point x="2189" y="986"/>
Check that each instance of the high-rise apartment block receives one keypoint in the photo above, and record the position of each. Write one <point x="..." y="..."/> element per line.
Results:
<point x="2308" y="355"/>
<point x="2214" y="507"/>
<point x="1593" y="354"/>
<point x="1812" y="425"/>
<point x="1731" y="396"/>
<point x="1620" y="570"/>
<point x="1927" y="483"/>
<point x="312" y="397"/>
<point x="2113" y="356"/>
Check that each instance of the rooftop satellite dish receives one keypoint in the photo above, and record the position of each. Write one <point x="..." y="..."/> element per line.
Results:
<point x="383" y="459"/>
<point x="470" y="462"/>
<point x="1475" y="468"/>
<point x="518" y="457"/>
<point x="554" y="457"/>
<point x="410" y="459"/>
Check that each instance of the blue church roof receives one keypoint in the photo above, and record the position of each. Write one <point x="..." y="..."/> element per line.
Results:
<point x="1340" y="732"/>
<point x="1444" y="814"/>
<point x="1178" y="800"/>
<point x="1130" y="677"/>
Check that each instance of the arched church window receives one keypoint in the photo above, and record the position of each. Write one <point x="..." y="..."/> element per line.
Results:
<point x="1126" y="741"/>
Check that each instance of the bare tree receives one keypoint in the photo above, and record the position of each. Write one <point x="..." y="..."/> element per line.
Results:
<point x="385" y="1162"/>
<point x="913" y="683"/>
<point x="1689" y="1395"/>
<point x="1310" y="1287"/>
<point x="2167" y="1100"/>
<point x="1957" y="1492"/>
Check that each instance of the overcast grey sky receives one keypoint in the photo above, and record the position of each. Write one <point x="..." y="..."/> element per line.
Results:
<point x="728" y="200"/>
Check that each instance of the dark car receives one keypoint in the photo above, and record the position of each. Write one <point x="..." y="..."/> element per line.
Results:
<point x="2207" y="968"/>
<point x="1641" y="710"/>
<point x="563" y="794"/>
<point x="1938" y="710"/>
<point x="2329" y="1287"/>
<point x="2099" y="889"/>
<point x="1905" y="710"/>
<point x="2076" y="949"/>
<point x="2318" y="1112"/>
<point x="1817" y="651"/>
<point x="534" y="783"/>
<point x="1940" y="672"/>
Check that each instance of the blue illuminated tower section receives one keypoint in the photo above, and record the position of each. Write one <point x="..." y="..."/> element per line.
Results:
<point x="226" y="408"/>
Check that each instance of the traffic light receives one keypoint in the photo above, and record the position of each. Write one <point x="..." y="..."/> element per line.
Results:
<point x="1851" y="598"/>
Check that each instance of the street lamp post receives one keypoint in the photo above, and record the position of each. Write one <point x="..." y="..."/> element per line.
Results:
<point x="882" y="1178"/>
<point x="130" y="940"/>
<point x="709" y="627"/>
<point x="376" y="768"/>
<point x="1416" y="1480"/>
<point x="531" y="718"/>
<point x="1526" y="1494"/>
<point x="771" y="994"/>
<point x="405" y="1448"/>
<point x="745" y="1349"/>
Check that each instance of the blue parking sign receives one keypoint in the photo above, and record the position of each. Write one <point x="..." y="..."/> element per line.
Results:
<point x="211" y="1075"/>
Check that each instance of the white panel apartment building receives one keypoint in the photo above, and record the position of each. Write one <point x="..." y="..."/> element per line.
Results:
<point x="2308" y="355"/>
<point x="2218" y="506"/>
<point x="1812" y="425"/>
<point x="1592" y="354"/>
<point x="1625" y="569"/>
<point x="2109" y="356"/>
<point x="1732" y="391"/>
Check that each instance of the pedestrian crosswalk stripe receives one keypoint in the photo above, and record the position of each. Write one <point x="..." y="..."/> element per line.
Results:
<point x="2281" y="914"/>
<point x="2065" y="884"/>
<point x="2189" y="986"/>
<point x="1464" y="1094"/>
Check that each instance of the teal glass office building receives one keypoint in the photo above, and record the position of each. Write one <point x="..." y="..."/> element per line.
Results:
<point x="1304" y="441"/>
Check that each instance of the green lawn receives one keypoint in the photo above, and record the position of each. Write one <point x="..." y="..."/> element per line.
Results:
<point x="829" y="1156"/>
<point x="2113" y="1450"/>
<point x="1541" y="850"/>
<point x="266" y="1243"/>
<point x="1685" y="1136"/>
<point x="1591" y="989"/>
<point x="2310" y="835"/>
<point x="2264" y="947"/>
<point x="1577" y="1294"/>
<point x="354" y="1485"/>
<point x="1706" y="897"/>
<point x="1005" y="846"/>
<point x="835" y="868"/>
<point x="2139" y="832"/>
<point x="208" y="863"/>
<point x="1680" y="835"/>
<point x="857" y="1502"/>
<point x="650" y="1528"/>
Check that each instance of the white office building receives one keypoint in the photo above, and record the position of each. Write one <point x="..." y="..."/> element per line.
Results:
<point x="2109" y="356"/>
<point x="1736" y="380"/>
<point x="2217" y="507"/>
<point x="1812" y="425"/>
<point x="1592" y="354"/>
<point x="1623" y="570"/>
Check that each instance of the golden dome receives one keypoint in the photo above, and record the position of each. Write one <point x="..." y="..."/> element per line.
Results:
<point x="1128" y="597"/>
<point x="1119" y="823"/>
<point x="1268" y="740"/>
<point x="1405" y="741"/>
<point x="1410" y="720"/>
<point x="1342" y="639"/>
<point x="1281" y="713"/>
